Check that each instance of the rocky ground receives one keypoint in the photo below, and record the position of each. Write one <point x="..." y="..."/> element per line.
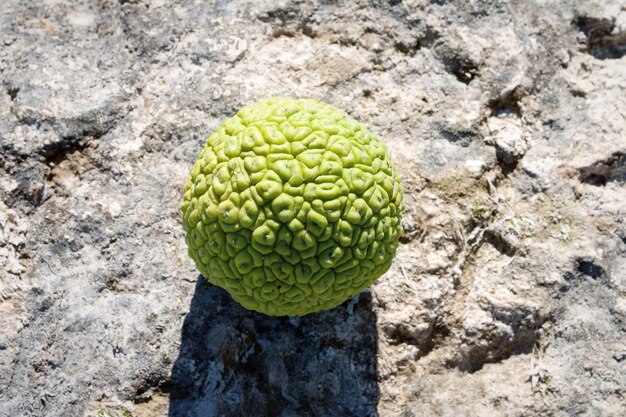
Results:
<point x="507" y="120"/>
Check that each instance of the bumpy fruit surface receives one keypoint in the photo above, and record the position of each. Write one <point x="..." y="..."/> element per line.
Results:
<point x="292" y="207"/>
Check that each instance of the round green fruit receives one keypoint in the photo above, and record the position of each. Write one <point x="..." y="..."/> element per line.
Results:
<point x="292" y="207"/>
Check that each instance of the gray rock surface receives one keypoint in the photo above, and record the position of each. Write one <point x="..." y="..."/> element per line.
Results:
<point x="507" y="120"/>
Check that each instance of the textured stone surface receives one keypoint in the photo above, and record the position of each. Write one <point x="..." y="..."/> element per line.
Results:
<point x="507" y="294"/>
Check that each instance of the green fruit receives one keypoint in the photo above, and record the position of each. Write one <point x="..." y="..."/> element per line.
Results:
<point x="292" y="207"/>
